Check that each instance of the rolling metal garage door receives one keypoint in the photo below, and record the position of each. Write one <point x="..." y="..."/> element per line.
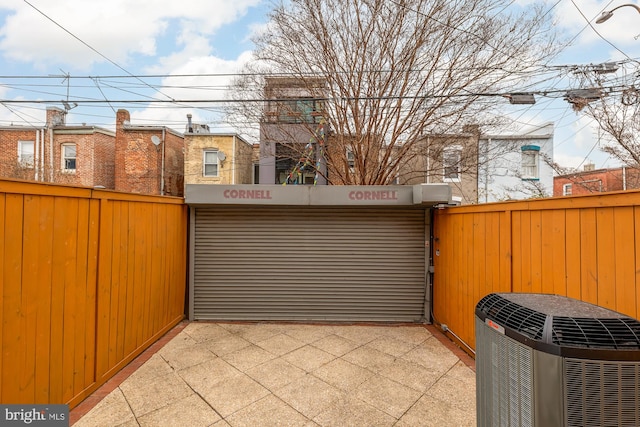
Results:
<point x="309" y="264"/>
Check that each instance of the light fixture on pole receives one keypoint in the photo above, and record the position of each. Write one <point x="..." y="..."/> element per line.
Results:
<point x="608" y="14"/>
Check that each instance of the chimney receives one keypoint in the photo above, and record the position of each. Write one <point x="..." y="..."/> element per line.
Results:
<point x="56" y="117"/>
<point x="122" y="117"/>
<point x="189" y="125"/>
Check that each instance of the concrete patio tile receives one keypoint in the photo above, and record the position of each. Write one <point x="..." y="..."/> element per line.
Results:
<point x="179" y="342"/>
<point x="335" y="345"/>
<point x="410" y="374"/>
<point x="386" y="395"/>
<point x="342" y="374"/>
<point x="369" y="358"/>
<point x="308" y="358"/>
<point x="208" y="373"/>
<point x="435" y="358"/>
<point x="247" y="357"/>
<point x="308" y="333"/>
<point x="232" y="394"/>
<point x="463" y="373"/>
<point x="359" y="334"/>
<point x="392" y="346"/>
<point x="275" y="373"/>
<point x="353" y="412"/>
<point x="281" y="344"/>
<point x="205" y="331"/>
<point x="432" y="412"/>
<point x="221" y="423"/>
<point x="309" y="395"/>
<point x="111" y="411"/>
<point x="259" y="333"/>
<point x="226" y="344"/>
<point x="267" y="412"/>
<point x="130" y="423"/>
<point x="188" y="356"/>
<point x="410" y="334"/>
<point x="191" y="411"/>
<point x="456" y="393"/>
<point x="153" y="368"/>
<point x="160" y="392"/>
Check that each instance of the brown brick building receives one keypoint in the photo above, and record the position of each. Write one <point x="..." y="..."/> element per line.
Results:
<point x="135" y="159"/>
<point x="149" y="159"/>
<point x="592" y="181"/>
<point x="55" y="152"/>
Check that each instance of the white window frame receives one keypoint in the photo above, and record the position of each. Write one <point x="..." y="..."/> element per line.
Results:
<point x="351" y="160"/>
<point x="567" y="189"/>
<point x="26" y="160"/>
<point x="64" y="158"/>
<point x="214" y="152"/>
<point x="530" y="162"/>
<point x="447" y="153"/>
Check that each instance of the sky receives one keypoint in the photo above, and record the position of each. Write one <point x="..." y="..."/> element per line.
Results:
<point x="121" y="50"/>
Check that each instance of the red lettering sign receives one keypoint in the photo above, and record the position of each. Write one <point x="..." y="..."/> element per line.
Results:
<point x="247" y="194"/>
<point x="373" y="195"/>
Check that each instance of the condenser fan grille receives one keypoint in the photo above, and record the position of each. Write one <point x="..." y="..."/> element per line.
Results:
<point x="619" y="333"/>
<point x="514" y="316"/>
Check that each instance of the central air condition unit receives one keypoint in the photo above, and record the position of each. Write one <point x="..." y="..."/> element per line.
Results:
<point x="549" y="360"/>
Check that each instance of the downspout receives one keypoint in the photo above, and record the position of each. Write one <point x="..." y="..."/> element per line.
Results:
<point x="41" y="154"/>
<point x="50" y="154"/>
<point x="36" y="157"/>
<point x="233" y="162"/>
<point x="624" y="177"/>
<point x="486" y="171"/>
<point x="162" y="166"/>
<point x="428" y="177"/>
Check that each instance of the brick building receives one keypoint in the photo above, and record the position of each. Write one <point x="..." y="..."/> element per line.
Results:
<point x="216" y="158"/>
<point x="75" y="155"/>
<point x="149" y="159"/>
<point x="592" y="180"/>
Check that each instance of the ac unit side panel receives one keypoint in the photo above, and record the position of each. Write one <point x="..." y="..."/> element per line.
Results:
<point x="601" y="393"/>
<point x="504" y="386"/>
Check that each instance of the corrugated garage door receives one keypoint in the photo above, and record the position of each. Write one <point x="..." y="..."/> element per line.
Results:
<point x="309" y="264"/>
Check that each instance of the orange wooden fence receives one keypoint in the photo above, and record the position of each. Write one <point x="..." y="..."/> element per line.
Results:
<point x="88" y="280"/>
<point x="584" y="247"/>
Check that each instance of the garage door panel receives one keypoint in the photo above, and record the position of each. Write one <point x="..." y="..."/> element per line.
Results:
<point x="316" y="264"/>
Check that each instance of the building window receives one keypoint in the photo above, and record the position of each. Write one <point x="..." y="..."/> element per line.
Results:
<point x="451" y="158"/>
<point x="304" y="110"/>
<point x="25" y="153"/>
<point x="567" y="189"/>
<point x="210" y="162"/>
<point x="530" y="160"/>
<point x="351" y="160"/>
<point x="68" y="157"/>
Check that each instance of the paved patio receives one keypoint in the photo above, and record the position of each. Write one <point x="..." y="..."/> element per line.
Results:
<point x="228" y="374"/>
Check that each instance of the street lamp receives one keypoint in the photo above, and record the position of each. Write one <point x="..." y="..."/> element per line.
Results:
<point x="608" y="14"/>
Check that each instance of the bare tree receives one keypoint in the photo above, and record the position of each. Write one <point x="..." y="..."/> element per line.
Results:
<point x="617" y="112"/>
<point x="394" y="70"/>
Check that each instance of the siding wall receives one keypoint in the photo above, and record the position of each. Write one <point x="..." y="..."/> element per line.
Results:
<point x="89" y="279"/>
<point x="584" y="247"/>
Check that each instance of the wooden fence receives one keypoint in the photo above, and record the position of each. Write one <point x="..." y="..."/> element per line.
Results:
<point x="584" y="247"/>
<point x="88" y="279"/>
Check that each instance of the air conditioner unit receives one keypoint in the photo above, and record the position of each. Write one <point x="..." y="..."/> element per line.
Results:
<point x="549" y="360"/>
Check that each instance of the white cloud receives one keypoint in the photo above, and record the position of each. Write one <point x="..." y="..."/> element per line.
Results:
<point x="117" y="29"/>
<point x="620" y="29"/>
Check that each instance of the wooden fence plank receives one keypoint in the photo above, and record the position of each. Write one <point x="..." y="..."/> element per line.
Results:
<point x="573" y="238"/>
<point x="588" y="256"/>
<point x="624" y="260"/>
<point x="558" y="250"/>
<point x="13" y="345"/>
<point x="3" y="287"/>
<point x="44" y="279"/>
